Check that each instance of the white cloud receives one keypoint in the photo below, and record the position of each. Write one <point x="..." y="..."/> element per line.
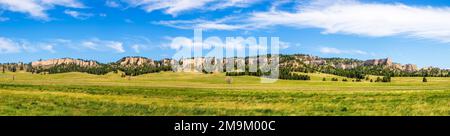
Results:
<point x="136" y="48"/>
<point x="233" y="3"/>
<point x="78" y="15"/>
<point x="284" y="45"/>
<point x="219" y="24"/>
<point x="174" y="7"/>
<point x="117" y="46"/>
<point x="48" y="48"/>
<point x="111" y="3"/>
<point x="102" y="45"/>
<point x="65" y="3"/>
<point x="8" y="46"/>
<point x="366" y="19"/>
<point x="340" y="17"/>
<point x="178" y="42"/>
<point x="21" y="45"/>
<point x="36" y="8"/>
<point x="25" y="6"/>
<point x="330" y="50"/>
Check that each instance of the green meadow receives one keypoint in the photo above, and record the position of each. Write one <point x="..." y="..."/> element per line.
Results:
<point x="170" y="93"/>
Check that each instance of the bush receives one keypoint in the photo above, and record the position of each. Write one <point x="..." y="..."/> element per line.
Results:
<point x="378" y="79"/>
<point x="386" y="79"/>
<point x="424" y="79"/>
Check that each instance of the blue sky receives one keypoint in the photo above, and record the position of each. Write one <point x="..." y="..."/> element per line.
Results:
<point x="415" y="32"/>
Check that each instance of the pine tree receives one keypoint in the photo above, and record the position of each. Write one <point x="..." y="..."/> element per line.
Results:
<point x="378" y="79"/>
<point x="13" y="69"/>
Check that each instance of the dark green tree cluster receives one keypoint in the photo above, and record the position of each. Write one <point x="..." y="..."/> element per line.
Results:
<point x="349" y="73"/>
<point x="258" y="73"/>
<point x="100" y="69"/>
<point x="283" y="74"/>
<point x="139" y="70"/>
<point x="64" y="68"/>
<point x="334" y="79"/>
<point x="288" y="75"/>
<point x="386" y="78"/>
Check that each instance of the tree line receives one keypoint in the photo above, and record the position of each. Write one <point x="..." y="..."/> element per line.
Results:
<point x="283" y="74"/>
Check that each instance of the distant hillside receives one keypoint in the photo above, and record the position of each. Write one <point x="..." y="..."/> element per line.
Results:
<point x="132" y="66"/>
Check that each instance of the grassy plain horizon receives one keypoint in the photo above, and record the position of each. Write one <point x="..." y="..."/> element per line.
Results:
<point x="171" y="93"/>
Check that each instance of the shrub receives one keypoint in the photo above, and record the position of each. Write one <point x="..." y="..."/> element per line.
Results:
<point x="378" y="79"/>
<point x="386" y="79"/>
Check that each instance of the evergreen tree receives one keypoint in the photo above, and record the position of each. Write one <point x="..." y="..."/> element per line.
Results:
<point x="13" y="69"/>
<point x="378" y="79"/>
<point x="386" y="78"/>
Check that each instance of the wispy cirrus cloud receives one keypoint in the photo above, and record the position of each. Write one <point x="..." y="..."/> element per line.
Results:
<point x="174" y="7"/>
<point x="37" y="8"/>
<point x="48" y="48"/>
<point x="365" y="19"/>
<point x="8" y="46"/>
<point x="349" y="17"/>
<point x="103" y="45"/>
<point x="331" y="50"/>
<point x="112" y="3"/>
<point x="219" y="24"/>
<point x="78" y="15"/>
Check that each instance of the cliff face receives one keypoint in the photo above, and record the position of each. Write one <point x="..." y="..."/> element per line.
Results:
<point x="136" y="61"/>
<point x="410" y="67"/>
<point x="376" y="62"/>
<point x="196" y="64"/>
<point x="54" y="62"/>
<point x="300" y="60"/>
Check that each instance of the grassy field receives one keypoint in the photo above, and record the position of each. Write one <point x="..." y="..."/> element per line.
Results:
<point x="169" y="93"/>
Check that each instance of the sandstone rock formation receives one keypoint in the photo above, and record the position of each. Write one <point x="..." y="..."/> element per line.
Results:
<point x="376" y="62"/>
<point x="199" y="63"/>
<point x="136" y="61"/>
<point x="54" y="62"/>
<point x="410" y="68"/>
